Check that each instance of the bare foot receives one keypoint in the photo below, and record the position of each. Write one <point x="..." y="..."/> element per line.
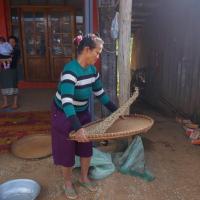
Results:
<point x="68" y="185"/>
<point x="14" y="106"/>
<point x="4" y="106"/>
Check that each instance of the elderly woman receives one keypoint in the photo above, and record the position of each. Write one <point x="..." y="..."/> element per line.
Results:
<point x="78" y="80"/>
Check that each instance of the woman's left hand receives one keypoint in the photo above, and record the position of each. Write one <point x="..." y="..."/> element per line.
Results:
<point x="80" y="135"/>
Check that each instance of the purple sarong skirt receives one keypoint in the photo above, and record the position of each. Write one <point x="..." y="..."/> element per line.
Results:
<point x="64" y="149"/>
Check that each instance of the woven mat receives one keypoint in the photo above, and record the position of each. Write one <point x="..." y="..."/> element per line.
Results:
<point x="32" y="146"/>
<point x="16" y="125"/>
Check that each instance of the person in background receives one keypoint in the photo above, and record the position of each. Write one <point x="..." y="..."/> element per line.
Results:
<point x="78" y="38"/>
<point x="8" y="77"/>
<point x="79" y="79"/>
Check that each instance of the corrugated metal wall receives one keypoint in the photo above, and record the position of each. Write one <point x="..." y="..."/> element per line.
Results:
<point x="168" y="47"/>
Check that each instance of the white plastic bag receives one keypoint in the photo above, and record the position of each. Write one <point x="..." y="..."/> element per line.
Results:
<point x="115" y="26"/>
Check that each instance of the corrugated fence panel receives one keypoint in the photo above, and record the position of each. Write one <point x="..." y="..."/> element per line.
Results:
<point x="172" y="39"/>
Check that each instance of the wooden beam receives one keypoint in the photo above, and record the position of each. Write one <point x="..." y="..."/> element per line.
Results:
<point x="123" y="61"/>
<point x="137" y="23"/>
<point x="138" y="14"/>
<point x="134" y="30"/>
<point x="136" y="20"/>
<point x="137" y="26"/>
<point x="145" y="5"/>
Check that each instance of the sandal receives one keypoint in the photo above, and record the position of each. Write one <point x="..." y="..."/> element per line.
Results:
<point x="91" y="186"/>
<point x="70" y="193"/>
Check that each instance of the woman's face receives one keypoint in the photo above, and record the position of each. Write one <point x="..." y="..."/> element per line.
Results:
<point x="93" y="54"/>
<point x="12" y="42"/>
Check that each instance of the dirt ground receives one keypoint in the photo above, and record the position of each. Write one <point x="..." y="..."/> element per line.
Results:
<point x="168" y="155"/>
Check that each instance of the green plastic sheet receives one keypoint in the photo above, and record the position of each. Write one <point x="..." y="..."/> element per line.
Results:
<point x="130" y="162"/>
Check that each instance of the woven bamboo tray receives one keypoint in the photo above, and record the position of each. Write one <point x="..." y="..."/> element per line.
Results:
<point x="32" y="146"/>
<point x="131" y="125"/>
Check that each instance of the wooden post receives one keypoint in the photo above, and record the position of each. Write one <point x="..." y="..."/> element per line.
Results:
<point x="123" y="61"/>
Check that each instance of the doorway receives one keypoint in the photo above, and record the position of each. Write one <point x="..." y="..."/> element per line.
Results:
<point x="47" y="41"/>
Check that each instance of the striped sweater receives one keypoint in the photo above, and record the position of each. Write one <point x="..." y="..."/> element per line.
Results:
<point x="74" y="89"/>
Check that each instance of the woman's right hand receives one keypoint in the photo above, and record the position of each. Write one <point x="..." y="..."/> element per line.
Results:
<point x="80" y="135"/>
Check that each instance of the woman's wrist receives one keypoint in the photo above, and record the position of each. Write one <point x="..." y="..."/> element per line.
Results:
<point x="75" y="122"/>
<point x="111" y="106"/>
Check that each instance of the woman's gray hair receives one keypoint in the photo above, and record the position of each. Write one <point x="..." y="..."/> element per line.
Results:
<point x="90" y="40"/>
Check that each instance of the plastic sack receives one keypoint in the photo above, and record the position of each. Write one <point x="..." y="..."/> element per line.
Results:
<point x="132" y="161"/>
<point x="101" y="164"/>
<point x="115" y="26"/>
